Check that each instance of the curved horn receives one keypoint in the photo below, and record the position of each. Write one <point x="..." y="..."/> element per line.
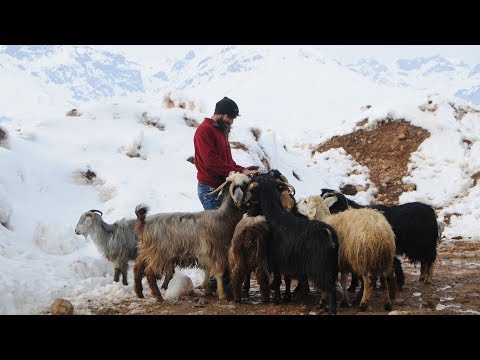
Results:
<point x="284" y="179"/>
<point x="290" y="186"/>
<point x="230" y="189"/>
<point x="217" y="189"/>
<point x="98" y="211"/>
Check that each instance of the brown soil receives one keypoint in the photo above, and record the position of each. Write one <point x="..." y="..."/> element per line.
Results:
<point x="386" y="151"/>
<point x="455" y="290"/>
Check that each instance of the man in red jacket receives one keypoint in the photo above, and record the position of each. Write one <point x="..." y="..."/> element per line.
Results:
<point x="213" y="156"/>
<point x="213" y="159"/>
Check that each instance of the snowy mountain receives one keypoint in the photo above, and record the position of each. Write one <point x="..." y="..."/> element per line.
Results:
<point x="70" y="74"/>
<point x="434" y="73"/>
<point x="74" y="74"/>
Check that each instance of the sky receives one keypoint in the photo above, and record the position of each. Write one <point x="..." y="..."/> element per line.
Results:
<point x="148" y="54"/>
<point x="43" y="192"/>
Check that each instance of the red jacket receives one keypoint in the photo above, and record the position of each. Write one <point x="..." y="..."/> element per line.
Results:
<point x="213" y="157"/>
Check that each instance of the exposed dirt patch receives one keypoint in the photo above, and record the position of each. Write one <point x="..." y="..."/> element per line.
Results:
<point x="238" y="145"/>
<point x="455" y="290"/>
<point x="475" y="178"/>
<point x="386" y="151"/>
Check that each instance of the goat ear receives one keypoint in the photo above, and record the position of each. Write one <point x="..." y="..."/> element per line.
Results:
<point x="329" y="201"/>
<point x="311" y="211"/>
<point x="238" y="196"/>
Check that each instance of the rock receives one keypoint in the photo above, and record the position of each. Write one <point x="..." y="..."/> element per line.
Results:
<point x="399" y="312"/>
<point x="62" y="307"/>
<point x="402" y="136"/>
<point x="74" y="112"/>
<point x="410" y="187"/>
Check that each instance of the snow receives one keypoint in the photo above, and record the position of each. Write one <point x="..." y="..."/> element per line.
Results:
<point x="294" y="96"/>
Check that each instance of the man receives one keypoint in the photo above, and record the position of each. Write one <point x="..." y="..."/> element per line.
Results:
<point x="213" y="158"/>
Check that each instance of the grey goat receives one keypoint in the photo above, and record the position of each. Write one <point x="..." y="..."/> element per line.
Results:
<point x="117" y="242"/>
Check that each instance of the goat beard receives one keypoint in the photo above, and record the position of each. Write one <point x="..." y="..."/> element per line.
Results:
<point x="222" y="124"/>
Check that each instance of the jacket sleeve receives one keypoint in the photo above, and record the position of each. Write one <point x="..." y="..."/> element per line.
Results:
<point x="214" y="163"/>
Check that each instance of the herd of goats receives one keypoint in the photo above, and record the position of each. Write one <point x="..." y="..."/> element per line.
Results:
<point x="260" y="228"/>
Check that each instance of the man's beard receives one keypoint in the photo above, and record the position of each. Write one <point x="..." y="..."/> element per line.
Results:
<point x="222" y="124"/>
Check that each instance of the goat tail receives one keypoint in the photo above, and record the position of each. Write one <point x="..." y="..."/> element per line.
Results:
<point x="141" y="212"/>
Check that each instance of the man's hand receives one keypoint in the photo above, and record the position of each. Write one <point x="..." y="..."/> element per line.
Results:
<point x="249" y="172"/>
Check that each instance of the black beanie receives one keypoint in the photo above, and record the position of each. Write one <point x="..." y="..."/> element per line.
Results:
<point x="227" y="106"/>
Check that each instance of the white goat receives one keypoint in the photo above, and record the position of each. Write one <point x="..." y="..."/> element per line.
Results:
<point x="117" y="242"/>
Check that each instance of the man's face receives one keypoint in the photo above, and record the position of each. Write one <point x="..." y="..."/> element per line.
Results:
<point x="225" y="122"/>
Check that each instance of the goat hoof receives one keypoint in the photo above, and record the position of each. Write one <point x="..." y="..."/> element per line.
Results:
<point x="388" y="306"/>
<point x="276" y="301"/>
<point x="344" y="304"/>
<point x="266" y="301"/>
<point x="352" y="289"/>
<point x="363" y="306"/>
<point x="140" y="295"/>
<point x="287" y="298"/>
<point x="125" y="283"/>
<point x="159" y="299"/>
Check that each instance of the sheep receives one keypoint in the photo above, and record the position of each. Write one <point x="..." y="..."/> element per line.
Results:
<point x="184" y="239"/>
<point x="415" y="227"/>
<point x="298" y="246"/>
<point x="117" y="241"/>
<point x="367" y="245"/>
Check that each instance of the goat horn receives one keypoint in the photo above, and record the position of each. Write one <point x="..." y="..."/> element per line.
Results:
<point x="98" y="211"/>
<point x="230" y="189"/>
<point x="286" y="183"/>
<point x="217" y="189"/>
<point x="284" y="179"/>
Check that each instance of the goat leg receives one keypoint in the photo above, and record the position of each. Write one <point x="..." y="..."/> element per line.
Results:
<point x="236" y="282"/>
<point x="262" y="280"/>
<point x="116" y="277"/>
<point x="276" y="287"/>
<point x="152" y="282"/>
<point x="124" y="274"/>
<point x="246" y="284"/>
<point x="302" y="287"/>
<point x="386" y="294"/>
<point x="138" y="271"/>
<point x="288" y="282"/>
<point x="429" y="272"/>
<point x="423" y="271"/>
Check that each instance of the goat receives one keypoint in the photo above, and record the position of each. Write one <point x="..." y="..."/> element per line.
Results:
<point x="298" y="246"/>
<point x="247" y="253"/>
<point x="184" y="239"/>
<point x="117" y="241"/>
<point x="367" y="245"/>
<point x="415" y="227"/>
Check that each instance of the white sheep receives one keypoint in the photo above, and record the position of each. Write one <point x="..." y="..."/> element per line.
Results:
<point x="367" y="245"/>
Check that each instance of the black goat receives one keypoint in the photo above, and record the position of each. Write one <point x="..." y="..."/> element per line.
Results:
<point x="416" y="232"/>
<point x="299" y="247"/>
